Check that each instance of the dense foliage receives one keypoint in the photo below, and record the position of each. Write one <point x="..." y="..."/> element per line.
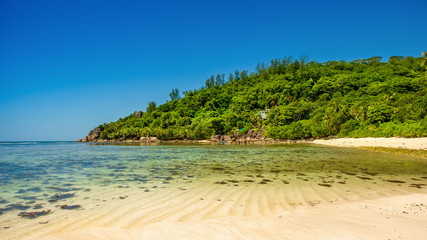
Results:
<point x="360" y="98"/>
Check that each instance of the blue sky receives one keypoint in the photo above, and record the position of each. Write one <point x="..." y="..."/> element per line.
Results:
<point x="68" y="66"/>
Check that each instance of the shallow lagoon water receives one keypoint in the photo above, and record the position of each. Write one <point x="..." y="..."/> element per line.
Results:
<point x="66" y="176"/>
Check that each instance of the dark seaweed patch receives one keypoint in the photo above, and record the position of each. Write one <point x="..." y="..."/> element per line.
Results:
<point x="141" y="179"/>
<point x="265" y="181"/>
<point x="364" y="178"/>
<point x="69" y="207"/>
<point x="17" y="206"/>
<point x="32" y="215"/>
<point x="394" y="181"/>
<point x="60" y="189"/>
<point x="417" y="185"/>
<point x="34" y="189"/>
<point x="349" y="173"/>
<point x="218" y="168"/>
<point x="57" y="197"/>
<point x="221" y="182"/>
<point x="370" y="173"/>
<point x="28" y="197"/>
<point x="38" y="206"/>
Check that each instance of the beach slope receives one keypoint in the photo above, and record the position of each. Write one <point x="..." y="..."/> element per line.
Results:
<point x="394" y="142"/>
<point x="397" y="217"/>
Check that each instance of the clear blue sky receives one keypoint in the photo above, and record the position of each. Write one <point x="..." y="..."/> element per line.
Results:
<point x="68" y="66"/>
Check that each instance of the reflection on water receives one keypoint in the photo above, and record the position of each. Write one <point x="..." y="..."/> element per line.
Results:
<point x="36" y="175"/>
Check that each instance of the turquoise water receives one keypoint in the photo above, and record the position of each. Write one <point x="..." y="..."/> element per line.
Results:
<point x="34" y="175"/>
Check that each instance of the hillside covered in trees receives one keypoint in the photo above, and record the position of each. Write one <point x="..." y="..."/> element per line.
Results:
<point x="361" y="98"/>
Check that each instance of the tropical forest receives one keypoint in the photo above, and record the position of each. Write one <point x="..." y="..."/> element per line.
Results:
<point x="292" y="99"/>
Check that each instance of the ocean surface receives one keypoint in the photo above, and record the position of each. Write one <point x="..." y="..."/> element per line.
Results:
<point x="38" y="178"/>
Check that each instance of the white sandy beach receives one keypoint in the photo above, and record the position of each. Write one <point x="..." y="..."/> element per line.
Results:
<point x="408" y="143"/>
<point x="365" y="211"/>
<point x="399" y="217"/>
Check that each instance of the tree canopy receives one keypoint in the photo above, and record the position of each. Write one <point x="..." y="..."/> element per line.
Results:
<point x="307" y="99"/>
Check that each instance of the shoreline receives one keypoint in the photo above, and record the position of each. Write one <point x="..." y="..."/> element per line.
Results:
<point x="393" y="142"/>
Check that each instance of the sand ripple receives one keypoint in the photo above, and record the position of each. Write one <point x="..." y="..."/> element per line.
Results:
<point x="204" y="210"/>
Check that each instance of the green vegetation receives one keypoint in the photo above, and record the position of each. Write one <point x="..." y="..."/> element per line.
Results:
<point x="306" y="99"/>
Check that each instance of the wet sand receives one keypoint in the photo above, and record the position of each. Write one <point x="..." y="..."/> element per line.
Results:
<point x="399" y="217"/>
<point x="248" y="211"/>
<point x="407" y="143"/>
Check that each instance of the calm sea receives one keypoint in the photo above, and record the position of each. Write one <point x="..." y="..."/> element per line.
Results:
<point x="39" y="175"/>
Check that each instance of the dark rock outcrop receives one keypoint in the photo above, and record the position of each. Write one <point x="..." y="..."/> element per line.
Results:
<point x="92" y="137"/>
<point x="236" y="137"/>
<point x="138" y="114"/>
<point x="94" y="134"/>
<point x="251" y="136"/>
<point x="148" y="139"/>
